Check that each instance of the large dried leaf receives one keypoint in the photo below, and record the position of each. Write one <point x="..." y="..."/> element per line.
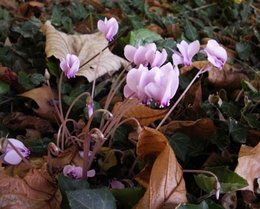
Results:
<point x="228" y="77"/>
<point x="45" y="101"/>
<point x="166" y="188"/>
<point x="202" y="128"/>
<point x="19" y="121"/>
<point x="248" y="165"/>
<point x="36" y="190"/>
<point x="86" y="46"/>
<point x="145" y="115"/>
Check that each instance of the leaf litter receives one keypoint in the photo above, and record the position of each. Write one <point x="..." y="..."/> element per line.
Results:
<point x="214" y="128"/>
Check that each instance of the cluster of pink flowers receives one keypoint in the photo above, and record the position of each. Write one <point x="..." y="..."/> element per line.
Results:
<point x="152" y="82"/>
<point x="145" y="55"/>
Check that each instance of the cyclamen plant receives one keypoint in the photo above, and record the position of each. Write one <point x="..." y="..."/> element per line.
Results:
<point x="149" y="81"/>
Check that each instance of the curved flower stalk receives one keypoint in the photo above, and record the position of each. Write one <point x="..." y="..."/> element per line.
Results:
<point x="15" y="152"/>
<point x="157" y="85"/>
<point x="70" y="65"/>
<point x="216" y="54"/>
<point x="108" y="27"/>
<point x="187" y="52"/>
<point x="145" y="55"/>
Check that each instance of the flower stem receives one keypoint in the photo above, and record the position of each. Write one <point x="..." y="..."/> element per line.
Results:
<point x="217" y="185"/>
<point x="180" y="98"/>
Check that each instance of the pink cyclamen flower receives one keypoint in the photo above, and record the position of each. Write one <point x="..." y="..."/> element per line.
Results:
<point x="70" y="65"/>
<point x="11" y="156"/>
<point x="158" y="84"/>
<point x="108" y="27"/>
<point x="187" y="52"/>
<point x="217" y="55"/>
<point x="76" y="172"/>
<point x="145" y="55"/>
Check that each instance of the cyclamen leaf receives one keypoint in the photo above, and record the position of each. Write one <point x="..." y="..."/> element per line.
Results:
<point x="143" y="36"/>
<point x="87" y="46"/>
<point x="91" y="199"/>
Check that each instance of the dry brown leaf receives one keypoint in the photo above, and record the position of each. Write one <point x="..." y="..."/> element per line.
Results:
<point x="145" y="115"/>
<point x="202" y="128"/>
<point x="193" y="98"/>
<point x="248" y="164"/>
<point x="197" y="64"/>
<point x="37" y="190"/>
<point x="166" y="188"/>
<point x="68" y="156"/>
<point x="44" y="99"/>
<point x="19" y="121"/>
<point x="9" y="4"/>
<point x="86" y="46"/>
<point x="228" y="77"/>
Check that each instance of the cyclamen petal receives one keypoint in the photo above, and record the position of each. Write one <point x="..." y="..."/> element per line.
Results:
<point x="145" y="55"/>
<point x="187" y="52"/>
<point x="11" y="156"/>
<point x="158" y="84"/>
<point x="70" y="65"/>
<point x="108" y="27"/>
<point x="76" y="172"/>
<point x="217" y="55"/>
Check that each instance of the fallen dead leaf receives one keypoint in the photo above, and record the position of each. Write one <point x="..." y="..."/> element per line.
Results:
<point x="145" y="115"/>
<point x="248" y="164"/>
<point x="45" y="101"/>
<point x="202" y="128"/>
<point x="85" y="46"/>
<point x="9" y="4"/>
<point x="193" y="98"/>
<point x="166" y="187"/>
<point x="68" y="156"/>
<point x="228" y="77"/>
<point x="19" y="121"/>
<point x="37" y="190"/>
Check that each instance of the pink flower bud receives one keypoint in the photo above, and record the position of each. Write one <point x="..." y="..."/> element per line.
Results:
<point x="187" y="52"/>
<point x="108" y="27"/>
<point x="70" y="65"/>
<point x="217" y="55"/>
<point x="10" y="156"/>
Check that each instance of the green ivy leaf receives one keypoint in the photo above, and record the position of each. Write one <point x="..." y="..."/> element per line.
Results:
<point x="37" y="78"/>
<point x="244" y="50"/>
<point x="180" y="144"/>
<point x="237" y="131"/>
<point x="4" y="87"/>
<point x="202" y="205"/>
<point x="127" y="197"/>
<point x="143" y="36"/>
<point x="68" y="184"/>
<point x="229" y="180"/>
<point x="190" y="31"/>
<point x="91" y="199"/>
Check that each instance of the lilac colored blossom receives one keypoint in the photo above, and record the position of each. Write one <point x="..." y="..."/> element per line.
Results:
<point x="217" y="55"/>
<point x="115" y="184"/>
<point x="164" y="84"/>
<point x="108" y="27"/>
<point x="76" y="172"/>
<point x="187" y="52"/>
<point x="10" y="156"/>
<point x="70" y="65"/>
<point x="158" y="84"/>
<point x="145" y="55"/>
